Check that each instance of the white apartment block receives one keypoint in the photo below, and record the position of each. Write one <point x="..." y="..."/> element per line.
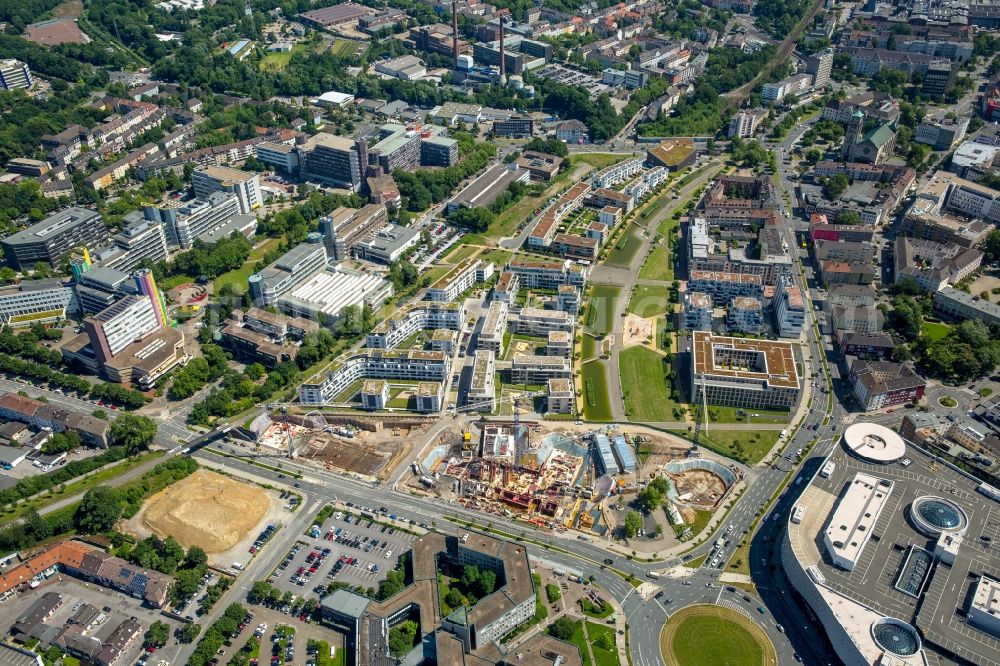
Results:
<point x="559" y="343"/>
<point x="745" y="123"/>
<point x="561" y="397"/>
<point x="746" y="315"/>
<point x="568" y="299"/>
<point x="374" y="394"/>
<point x="494" y="328"/>
<point x="723" y="287"/>
<point x="507" y="287"/>
<point x="789" y="310"/>
<point x="547" y="274"/>
<point x="535" y="321"/>
<point x="418" y="317"/>
<point x="530" y="369"/>
<point x="409" y="365"/>
<point x="14" y="75"/>
<point x="459" y="279"/>
<point x="482" y="388"/>
<point x="245" y="185"/>
<point x="697" y="311"/>
<point x="617" y="173"/>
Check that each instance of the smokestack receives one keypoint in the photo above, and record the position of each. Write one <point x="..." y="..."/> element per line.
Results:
<point x="454" y="32"/>
<point x="503" y="75"/>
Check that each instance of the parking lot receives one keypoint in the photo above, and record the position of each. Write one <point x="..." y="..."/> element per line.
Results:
<point x="114" y="608"/>
<point x="272" y="628"/>
<point x="346" y="549"/>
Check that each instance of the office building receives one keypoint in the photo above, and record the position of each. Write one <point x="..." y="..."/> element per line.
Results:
<point x="279" y="156"/>
<point x="331" y="160"/>
<point x="959" y="306"/>
<point x="54" y="237"/>
<point x="37" y="302"/>
<point x="486" y="188"/>
<point x="324" y="294"/>
<point x="290" y="269"/>
<point x="139" y="241"/>
<point x="14" y="75"/>
<point x="439" y="151"/>
<point x="344" y="228"/>
<point x="942" y="135"/>
<point x="819" y="65"/>
<point x="515" y="127"/>
<point x="397" y="148"/>
<point x="196" y="218"/>
<point x="245" y="185"/>
<point x="388" y="244"/>
<point x="743" y="373"/>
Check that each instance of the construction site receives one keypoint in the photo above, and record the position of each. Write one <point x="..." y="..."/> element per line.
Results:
<point x="366" y="447"/>
<point x="547" y="477"/>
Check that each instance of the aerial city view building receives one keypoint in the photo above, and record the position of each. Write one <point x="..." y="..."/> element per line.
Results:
<point x="551" y="333"/>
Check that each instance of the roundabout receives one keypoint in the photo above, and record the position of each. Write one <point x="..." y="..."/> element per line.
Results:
<point x="709" y="635"/>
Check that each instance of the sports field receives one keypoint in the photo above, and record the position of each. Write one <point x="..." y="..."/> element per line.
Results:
<point x="707" y="635"/>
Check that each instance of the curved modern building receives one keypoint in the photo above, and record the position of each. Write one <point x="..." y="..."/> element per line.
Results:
<point x="885" y="547"/>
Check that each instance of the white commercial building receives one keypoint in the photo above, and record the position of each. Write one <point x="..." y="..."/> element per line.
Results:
<point x="245" y="185"/>
<point x="984" y="611"/>
<point x="328" y="292"/>
<point x="789" y="310"/>
<point x="14" y="75"/>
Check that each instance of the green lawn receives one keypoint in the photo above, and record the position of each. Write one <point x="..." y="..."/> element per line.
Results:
<point x="344" y="47"/>
<point x="647" y="397"/>
<point x="601" y="309"/>
<point x="579" y="640"/>
<point x="649" y="300"/>
<point x="658" y="264"/>
<point x="602" y="657"/>
<point x="278" y="61"/>
<point x="625" y="249"/>
<point x="753" y="445"/>
<point x="499" y="258"/>
<point x="590" y="609"/>
<point x="597" y="160"/>
<point x="459" y="253"/>
<point x="596" y="403"/>
<point x="711" y="635"/>
<point x="175" y="281"/>
<point x="731" y="415"/>
<point x="934" y="330"/>
<point x="238" y="277"/>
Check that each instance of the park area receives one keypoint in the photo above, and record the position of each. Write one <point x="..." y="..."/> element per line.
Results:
<point x="644" y="381"/>
<point x="706" y="635"/>
<point x="649" y="300"/>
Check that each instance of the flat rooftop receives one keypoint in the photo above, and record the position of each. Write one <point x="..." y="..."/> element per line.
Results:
<point x="868" y="590"/>
<point x="772" y="360"/>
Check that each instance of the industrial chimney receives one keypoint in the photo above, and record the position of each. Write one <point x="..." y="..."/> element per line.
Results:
<point x="503" y="74"/>
<point x="454" y="31"/>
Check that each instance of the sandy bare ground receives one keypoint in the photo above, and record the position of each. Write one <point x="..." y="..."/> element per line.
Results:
<point x="205" y="509"/>
<point x="638" y="330"/>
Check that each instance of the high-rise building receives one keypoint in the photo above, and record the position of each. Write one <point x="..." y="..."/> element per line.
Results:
<point x="14" y="75"/>
<point x="140" y="240"/>
<point x="820" y="64"/>
<point x="119" y="325"/>
<point x="331" y="160"/>
<point x="346" y="227"/>
<point x="196" y="218"/>
<point x="246" y="186"/>
<point x="289" y="270"/>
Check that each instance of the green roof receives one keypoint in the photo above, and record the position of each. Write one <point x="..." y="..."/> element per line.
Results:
<point x="880" y="136"/>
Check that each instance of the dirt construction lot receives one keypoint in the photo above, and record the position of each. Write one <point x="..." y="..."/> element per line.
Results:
<point x="705" y="488"/>
<point x="221" y="515"/>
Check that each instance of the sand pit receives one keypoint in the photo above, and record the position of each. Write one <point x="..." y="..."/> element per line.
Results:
<point x="638" y="330"/>
<point x="205" y="509"/>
